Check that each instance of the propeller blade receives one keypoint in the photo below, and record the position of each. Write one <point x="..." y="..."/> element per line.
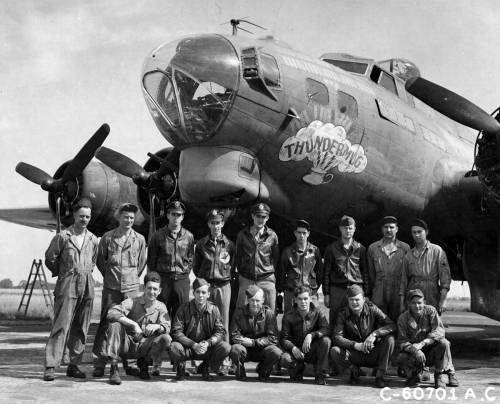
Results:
<point x="118" y="162"/>
<point x="86" y="153"/>
<point x="32" y="173"/>
<point x="451" y="105"/>
<point x="152" y="221"/>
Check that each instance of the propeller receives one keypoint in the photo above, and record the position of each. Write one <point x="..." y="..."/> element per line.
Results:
<point x="160" y="184"/>
<point x="72" y="171"/>
<point x="452" y="105"/>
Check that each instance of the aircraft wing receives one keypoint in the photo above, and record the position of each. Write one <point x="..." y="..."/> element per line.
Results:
<point x="39" y="217"/>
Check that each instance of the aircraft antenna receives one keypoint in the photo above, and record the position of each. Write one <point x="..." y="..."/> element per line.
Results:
<point x="235" y="22"/>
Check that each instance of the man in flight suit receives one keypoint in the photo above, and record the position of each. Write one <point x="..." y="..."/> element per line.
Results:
<point x="71" y="257"/>
<point x="121" y="259"/>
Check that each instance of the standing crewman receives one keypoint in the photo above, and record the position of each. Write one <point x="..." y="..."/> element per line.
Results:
<point x="170" y="253"/>
<point x="71" y="257"/>
<point x="121" y="259"/>
<point x="385" y="266"/>
<point x="257" y="256"/>
<point x="300" y="265"/>
<point x="426" y="268"/>
<point x="213" y="261"/>
<point x="345" y="265"/>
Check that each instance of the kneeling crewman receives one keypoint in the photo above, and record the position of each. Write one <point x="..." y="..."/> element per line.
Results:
<point x="422" y="342"/>
<point x="254" y="333"/>
<point x="138" y="328"/>
<point x="362" y="336"/>
<point x="304" y="337"/>
<point x="198" y="333"/>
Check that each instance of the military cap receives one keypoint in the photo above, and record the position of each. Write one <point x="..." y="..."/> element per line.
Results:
<point x="252" y="290"/>
<point x="389" y="219"/>
<point x="199" y="282"/>
<point x="215" y="214"/>
<point x="152" y="276"/>
<point x="176" y="206"/>
<point x="414" y="293"/>
<point x="419" y="223"/>
<point x="347" y="221"/>
<point x="302" y="223"/>
<point x="260" y="208"/>
<point x="354" y="290"/>
<point x="82" y="203"/>
<point x="127" y="207"/>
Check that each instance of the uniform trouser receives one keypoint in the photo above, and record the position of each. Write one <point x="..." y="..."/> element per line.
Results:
<point x="267" y="356"/>
<point x="288" y="300"/>
<point x="437" y="354"/>
<point x="121" y="345"/>
<point x="221" y="297"/>
<point x="378" y="357"/>
<point x="214" y="355"/>
<point x="268" y="286"/>
<point x="317" y="355"/>
<point x="69" y="329"/>
<point x="174" y="292"/>
<point x="391" y="307"/>
<point x="110" y="298"/>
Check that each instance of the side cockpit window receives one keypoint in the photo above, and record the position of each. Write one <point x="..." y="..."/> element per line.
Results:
<point x="383" y="79"/>
<point x="317" y="92"/>
<point x="270" y="70"/>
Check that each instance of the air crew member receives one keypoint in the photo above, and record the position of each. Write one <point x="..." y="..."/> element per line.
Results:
<point x="300" y="265"/>
<point x="385" y="265"/>
<point x="345" y="265"/>
<point x="362" y="336"/>
<point x="138" y="328"/>
<point x="213" y="261"/>
<point x="304" y="337"/>
<point x="170" y="253"/>
<point x="422" y="342"/>
<point x="121" y="259"/>
<point x="254" y="334"/>
<point x="198" y="333"/>
<point x="71" y="257"/>
<point x="257" y="256"/>
<point x="426" y="268"/>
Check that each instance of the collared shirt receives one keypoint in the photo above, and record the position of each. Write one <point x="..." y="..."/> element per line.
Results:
<point x="428" y="271"/>
<point x="350" y="328"/>
<point x="121" y="264"/>
<point x="300" y="268"/>
<point x="72" y="263"/>
<point x="412" y="330"/>
<point x="191" y="325"/>
<point x="261" y="327"/>
<point x="343" y="267"/>
<point x="214" y="259"/>
<point x="135" y="309"/>
<point x="257" y="258"/>
<point x="384" y="271"/>
<point x="171" y="256"/>
<point x="294" y="327"/>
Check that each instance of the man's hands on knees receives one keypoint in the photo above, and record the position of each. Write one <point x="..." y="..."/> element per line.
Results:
<point x="306" y="345"/>
<point x="297" y="353"/>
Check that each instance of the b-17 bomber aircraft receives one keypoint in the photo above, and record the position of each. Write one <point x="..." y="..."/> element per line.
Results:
<point x="252" y="119"/>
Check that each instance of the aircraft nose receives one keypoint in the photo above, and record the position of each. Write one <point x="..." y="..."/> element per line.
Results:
<point x="189" y="86"/>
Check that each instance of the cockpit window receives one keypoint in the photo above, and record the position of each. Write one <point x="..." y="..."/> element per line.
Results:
<point x="270" y="70"/>
<point x="160" y="88"/>
<point x="353" y="67"/>
<point x="316" y="91"/>
<point x="384" y="79"/>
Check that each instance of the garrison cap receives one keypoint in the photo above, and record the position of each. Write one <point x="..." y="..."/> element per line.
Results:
<point x="389" y="219"/>
<point x="215" y="214"/>
<point x="198" y="283"/>
<point x="176" y="206"/>
<point x="302" y="223"/>
<point x="419" y="223"/>
<point x="127" y="207"/>
<point x="152" y="276"/>
<point x="82" y="203"/>
<point x="354" y="290"/>
<point x="252" y="290"/>
<point x="260" y="208"/>
<point x="414" y="293"/>
<point x="347" y="221"/>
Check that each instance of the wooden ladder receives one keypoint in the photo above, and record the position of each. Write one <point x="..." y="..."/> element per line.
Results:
<point x="36" y="273"/>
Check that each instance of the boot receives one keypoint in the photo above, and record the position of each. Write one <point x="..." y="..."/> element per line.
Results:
<point x="114" y="375"/>
<point x="142" y="364"/>
<point x="73" y="371"/>
<point x="180" y="371"/>
<point x="241" y="373"/>
<point x="205" y="372"/>
<point x="48" y="375"/>
<point x="452" y="379"/>
<point x="297" y="373"/>
<point x="98" y="371"/>
<point x="439" y="382"/>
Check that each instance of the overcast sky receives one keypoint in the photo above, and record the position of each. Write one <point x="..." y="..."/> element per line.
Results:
<point x="67" y="67"/>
